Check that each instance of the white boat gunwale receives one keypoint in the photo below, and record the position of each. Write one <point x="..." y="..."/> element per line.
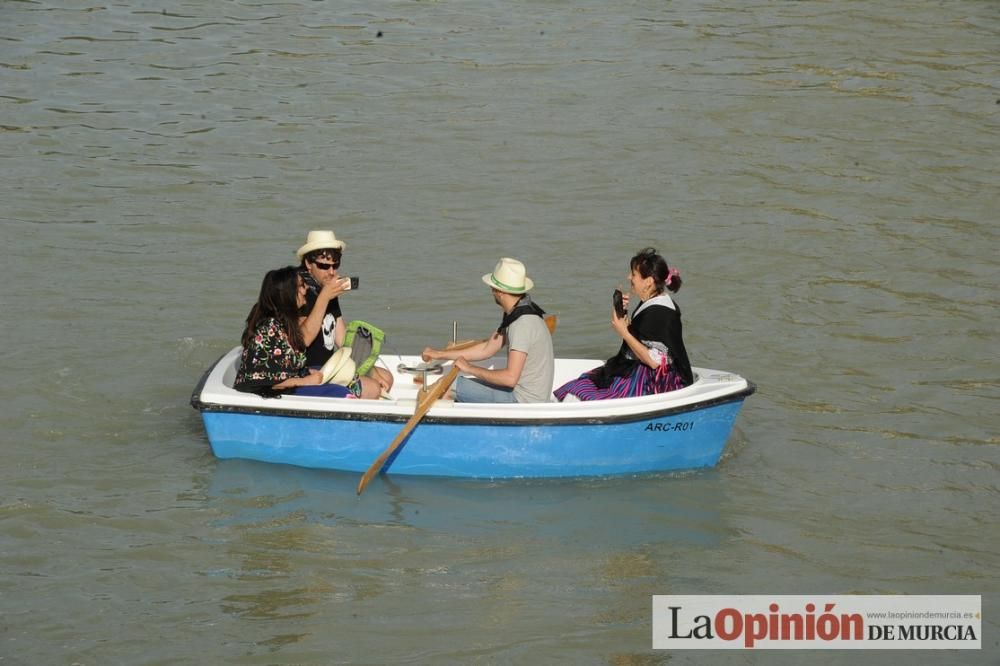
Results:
<point x="362" y="410"/>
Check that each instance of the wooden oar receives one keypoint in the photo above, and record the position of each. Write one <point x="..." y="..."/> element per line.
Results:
<point x="433" y="393"/>
<point x="453" y="346"/>
<point x="427" y="397"/>
<point x="550" y="321"/>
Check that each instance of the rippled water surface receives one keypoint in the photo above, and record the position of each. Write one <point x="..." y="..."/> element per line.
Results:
<point x="824" y="174"/>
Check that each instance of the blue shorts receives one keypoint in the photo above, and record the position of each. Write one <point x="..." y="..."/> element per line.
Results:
<point x="329" y="390"/>
<point x="323" y="391"/>
<point x="474" y="390"/>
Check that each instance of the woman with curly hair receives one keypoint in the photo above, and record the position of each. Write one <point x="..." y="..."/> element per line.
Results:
<point x="652" y="358"/>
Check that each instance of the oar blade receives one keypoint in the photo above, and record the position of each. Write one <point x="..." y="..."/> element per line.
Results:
<point x="426" y="399"/>
<point x="423" y="406"/>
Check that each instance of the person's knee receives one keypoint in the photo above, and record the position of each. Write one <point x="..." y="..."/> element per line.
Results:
<point x="370" y="388"/>
<point x="460" y="389"/>
<point x="383" y="377"/>
<point x="473" y="390"/>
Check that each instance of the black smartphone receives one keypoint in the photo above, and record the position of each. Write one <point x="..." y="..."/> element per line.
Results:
<point x="616" y="298"/>
<point x="353" y="283"/>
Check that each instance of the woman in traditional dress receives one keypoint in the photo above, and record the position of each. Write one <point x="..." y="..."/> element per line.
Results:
<point x="652" y="358"/>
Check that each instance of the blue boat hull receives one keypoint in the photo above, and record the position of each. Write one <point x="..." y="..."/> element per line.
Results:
<point x="676" y="441"/>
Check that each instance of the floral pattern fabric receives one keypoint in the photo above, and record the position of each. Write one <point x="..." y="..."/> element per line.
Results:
<point x="270" y="358"/>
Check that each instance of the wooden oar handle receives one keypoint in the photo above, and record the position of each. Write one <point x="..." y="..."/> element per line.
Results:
<point x="452" y="346"/>
<point x="550" y="322"/>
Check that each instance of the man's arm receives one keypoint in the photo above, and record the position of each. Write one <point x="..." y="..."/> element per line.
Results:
<point x="313" y="322"/>
<point x="477" y="352"/>
<point x="340" y="331"/>
<point x="506" y="377"/>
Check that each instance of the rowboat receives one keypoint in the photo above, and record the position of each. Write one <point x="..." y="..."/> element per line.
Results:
<point x="679" y="430"/>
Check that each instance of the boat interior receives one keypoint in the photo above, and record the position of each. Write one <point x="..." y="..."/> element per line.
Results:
<point x="410" y="374"/>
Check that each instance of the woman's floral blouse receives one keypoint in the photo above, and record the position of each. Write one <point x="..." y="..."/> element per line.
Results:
<point x="270" y="358"/>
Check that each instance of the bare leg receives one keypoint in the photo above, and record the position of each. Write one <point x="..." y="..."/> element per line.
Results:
<point x="370" y="389"/>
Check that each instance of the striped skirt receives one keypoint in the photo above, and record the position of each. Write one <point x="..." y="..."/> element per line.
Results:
<point x="643" y="380"/>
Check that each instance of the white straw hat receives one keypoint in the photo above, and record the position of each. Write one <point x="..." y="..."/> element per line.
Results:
<point x="509" y="276"/>
<point x="339" y="368"/>
<point x="320" y="240"/>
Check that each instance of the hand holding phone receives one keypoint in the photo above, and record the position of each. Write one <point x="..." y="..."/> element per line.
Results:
<point x="350" y="283"/>
<point x="619" y="303"/>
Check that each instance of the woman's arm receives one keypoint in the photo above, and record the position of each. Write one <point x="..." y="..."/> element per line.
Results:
<point x="639" y="350"/>
<point x="314" y="378"/>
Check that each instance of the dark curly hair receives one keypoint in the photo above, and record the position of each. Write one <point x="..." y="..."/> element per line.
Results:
<point x="651" y="264"/>
<point x="335" y="255"/>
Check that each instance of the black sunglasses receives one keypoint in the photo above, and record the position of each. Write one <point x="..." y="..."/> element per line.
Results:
<point x="325" y="267"/>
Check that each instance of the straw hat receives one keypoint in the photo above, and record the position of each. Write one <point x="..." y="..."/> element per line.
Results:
<point x="509" y="276"/>
<point x="339" y="368"/>
<point x="320" y="240"/>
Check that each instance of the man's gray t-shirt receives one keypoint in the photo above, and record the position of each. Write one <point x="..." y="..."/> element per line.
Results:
<point x="530" y="335"/>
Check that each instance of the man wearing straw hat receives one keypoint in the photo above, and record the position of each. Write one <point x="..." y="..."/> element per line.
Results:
<point x="527" y="377"/>
<point x="323" y="327"/>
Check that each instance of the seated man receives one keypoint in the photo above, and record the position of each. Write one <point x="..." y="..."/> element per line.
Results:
<point x="528" y="374"/>
<point x="322" y="323"/>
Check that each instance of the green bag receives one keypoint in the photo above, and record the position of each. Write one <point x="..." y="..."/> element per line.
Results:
<point x="365" y="341"/>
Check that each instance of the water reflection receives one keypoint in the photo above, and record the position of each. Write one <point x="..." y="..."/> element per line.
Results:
<point x="587" y="551"/>
<point x="587" y="513"/>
